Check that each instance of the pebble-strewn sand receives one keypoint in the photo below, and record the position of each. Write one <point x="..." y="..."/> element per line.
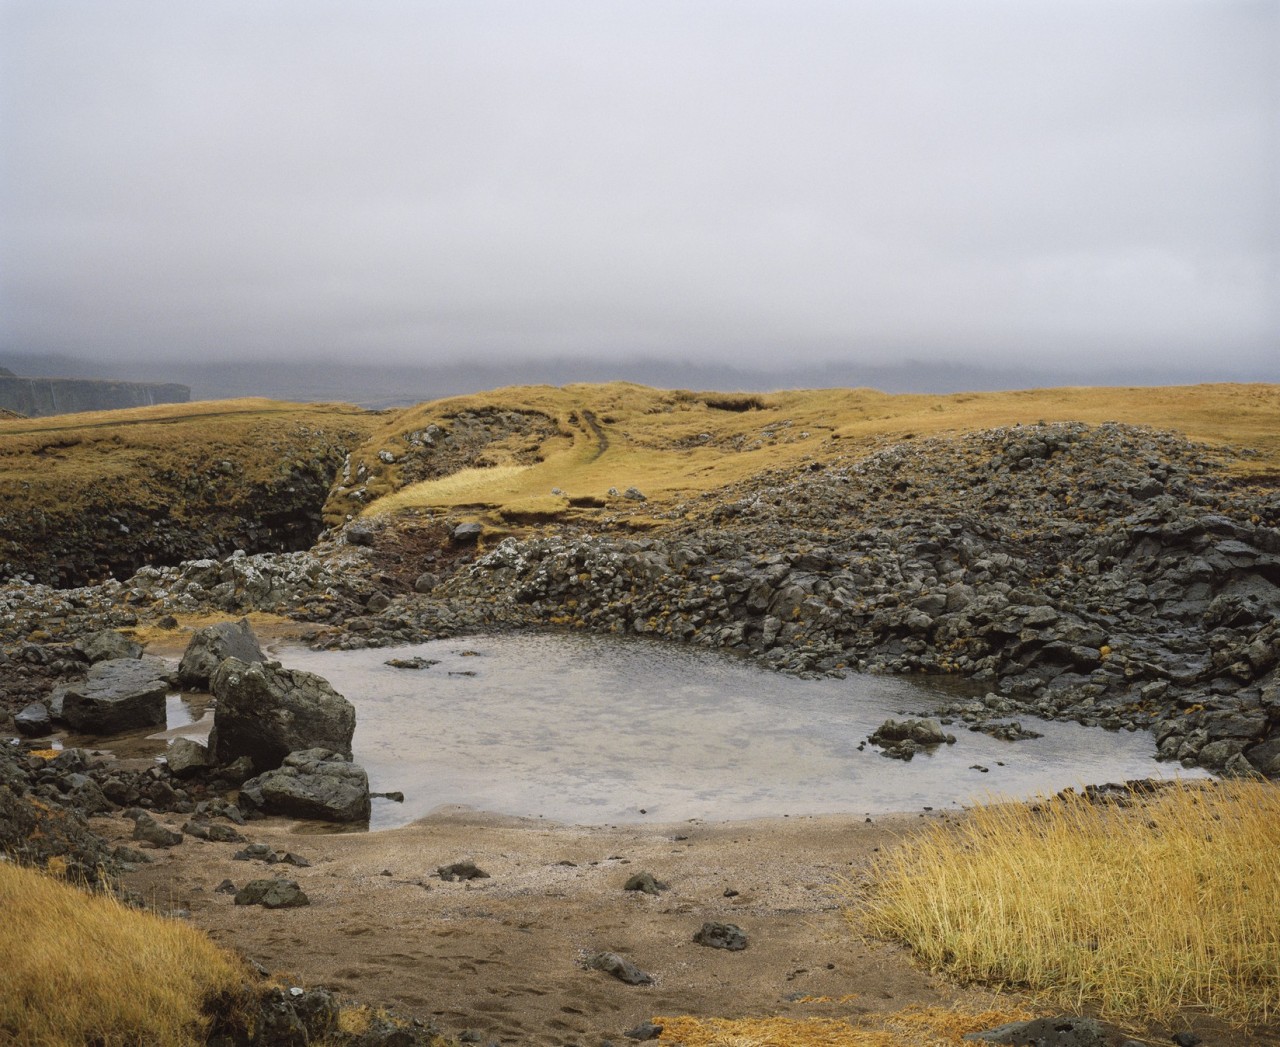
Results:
<point x="504" y="956"/>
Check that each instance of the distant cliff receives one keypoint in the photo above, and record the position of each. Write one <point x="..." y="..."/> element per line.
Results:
<point x="36" y="397"/>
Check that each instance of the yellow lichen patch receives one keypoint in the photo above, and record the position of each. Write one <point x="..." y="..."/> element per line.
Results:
<point x="912" y="1027"/>
<point x="172" y="641"/>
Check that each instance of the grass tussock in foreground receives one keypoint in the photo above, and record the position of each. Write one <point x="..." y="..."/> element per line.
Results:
<point x="82" y="968"/>
<point x="1142" y="910"/>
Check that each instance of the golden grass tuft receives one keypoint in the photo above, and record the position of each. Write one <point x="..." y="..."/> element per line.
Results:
<point x="83" y="968"/>
<point x="1142" y="911"/>
<point x="912" y="1027"/>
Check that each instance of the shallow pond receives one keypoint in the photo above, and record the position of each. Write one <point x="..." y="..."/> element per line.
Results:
<point x="595" y="730"/>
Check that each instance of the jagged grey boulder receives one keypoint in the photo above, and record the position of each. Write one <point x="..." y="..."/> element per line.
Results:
<point x="119" y="694"/>
<point x="149" y="831"/>
<point x="717" y="935"/>
<point x="922" y="732"/>
<point x="316" y="783"/>
<point x="186" y="757"/>
<point x="213" y="645"/>
<point x="266" y="712"/>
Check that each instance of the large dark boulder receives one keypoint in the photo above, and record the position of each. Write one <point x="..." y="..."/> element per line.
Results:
<point x="213" y="645"/>
<point x="316" y="783"/>
<point x="119" y="694"/>
<point x="266" y="712"/>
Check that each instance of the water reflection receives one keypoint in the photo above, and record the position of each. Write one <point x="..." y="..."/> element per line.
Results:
<point x="596" y="730"/>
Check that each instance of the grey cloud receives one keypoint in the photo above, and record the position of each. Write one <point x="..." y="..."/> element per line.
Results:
<point x="728" y="180"/>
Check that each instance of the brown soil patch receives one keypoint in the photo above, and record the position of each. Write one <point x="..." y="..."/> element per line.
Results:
<point x="505" y="956"/>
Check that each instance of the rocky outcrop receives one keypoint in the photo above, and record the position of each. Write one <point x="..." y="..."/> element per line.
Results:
<point x="213" y="645"/>
<point x="1111" y="575"/>
<point x="39" y="397"/>
<point x="263" y="493"/>
<point x="265" y="712"/>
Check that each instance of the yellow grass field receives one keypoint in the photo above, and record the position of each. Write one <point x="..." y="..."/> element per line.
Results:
<point x="60" y="460"/>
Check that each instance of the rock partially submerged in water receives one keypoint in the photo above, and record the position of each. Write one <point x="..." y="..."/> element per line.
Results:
<point x="315" y="783"/>
<point x="901" y="740"/>
<point x="266" y="712"/>
<point x="118" y="694"/>
<point x="213" y="645"/>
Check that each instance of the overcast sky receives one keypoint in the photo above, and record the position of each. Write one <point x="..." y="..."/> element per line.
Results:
<point x="761" y="182"/>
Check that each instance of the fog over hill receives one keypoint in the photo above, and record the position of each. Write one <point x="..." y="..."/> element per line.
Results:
<point x="375" y="385"/>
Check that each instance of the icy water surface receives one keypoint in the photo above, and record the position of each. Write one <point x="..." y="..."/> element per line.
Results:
<point x="595" y="730"/>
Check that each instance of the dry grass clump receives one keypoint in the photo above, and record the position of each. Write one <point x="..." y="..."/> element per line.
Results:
<point x="83" y="968"/>
<point x="1141" y="910"/>
<point x="913" y="1027"/>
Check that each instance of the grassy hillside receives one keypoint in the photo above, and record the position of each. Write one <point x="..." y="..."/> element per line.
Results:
<point x="502" y="455"/>
<point x="65" y="457"/>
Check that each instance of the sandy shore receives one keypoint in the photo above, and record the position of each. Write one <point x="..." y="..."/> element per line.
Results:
<point x="504" y="956"/>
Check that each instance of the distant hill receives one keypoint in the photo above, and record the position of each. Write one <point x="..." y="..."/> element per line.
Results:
<point x="375" y="383"/>
<point x="40" y="397"/>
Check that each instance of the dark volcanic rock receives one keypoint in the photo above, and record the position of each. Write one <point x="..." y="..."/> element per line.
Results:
<point x="645" y="883"/>
<point x="272" y="894"/>
<point x="266" y="712"/>
<point x="315" y="783"/>
<point x="148" y="830"/>
<point x="106" y="644"/>
<point x="213" y="645"/>
<point x="721" y="936"/>
<point x="33" y="721"/>
<point x="186" y="758"/>
<point x="461" y="871"/>
<point x="117" y="695"/>
<point x="1045" y="1032"/>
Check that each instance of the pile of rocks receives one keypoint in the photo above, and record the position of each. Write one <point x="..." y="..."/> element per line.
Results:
<point x="1108" y="575"/>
